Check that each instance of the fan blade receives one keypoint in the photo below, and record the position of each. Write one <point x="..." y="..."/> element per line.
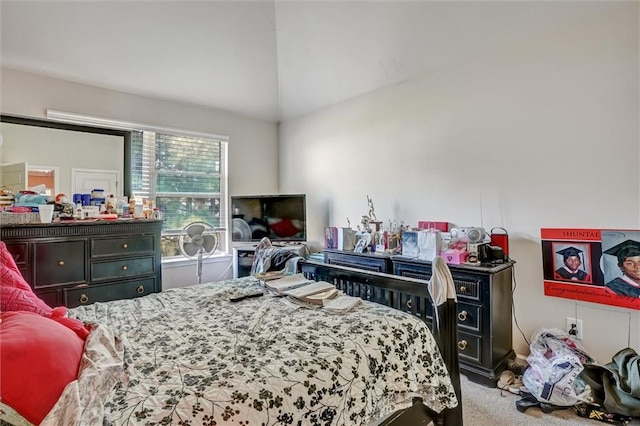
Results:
<point x="195" y="229"/>
<point x="209" y="243"/>
<point x="191" y="248"/>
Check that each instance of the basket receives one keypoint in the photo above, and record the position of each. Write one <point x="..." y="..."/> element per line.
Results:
<point x="9" y="218"/>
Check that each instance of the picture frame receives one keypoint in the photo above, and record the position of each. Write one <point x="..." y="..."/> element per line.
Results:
<point x="363" y="239"/>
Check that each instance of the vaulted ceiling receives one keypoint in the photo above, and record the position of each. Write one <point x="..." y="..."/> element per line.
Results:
<point x="271" y="60"/>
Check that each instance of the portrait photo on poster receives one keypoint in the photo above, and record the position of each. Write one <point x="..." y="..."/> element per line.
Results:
<point x="621" y="262"/>
<point x="572" y="262"/>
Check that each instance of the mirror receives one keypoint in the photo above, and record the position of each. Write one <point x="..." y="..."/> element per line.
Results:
<point x="65" y="158"/>
<point x="19" y="176"/>
<point x="43" y="175"/>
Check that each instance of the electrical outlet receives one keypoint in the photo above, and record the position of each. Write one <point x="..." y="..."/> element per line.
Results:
<point x="574" y="327"/>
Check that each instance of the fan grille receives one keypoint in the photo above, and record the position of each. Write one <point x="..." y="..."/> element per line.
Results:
<point x="198" y="239"/>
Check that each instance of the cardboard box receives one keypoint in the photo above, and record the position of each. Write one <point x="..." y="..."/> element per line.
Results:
<point x="454" y="257"/>
<point x="429" y="224"/>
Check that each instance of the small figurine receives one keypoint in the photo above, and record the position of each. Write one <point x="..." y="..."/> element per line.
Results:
<point x="372" y="215"/>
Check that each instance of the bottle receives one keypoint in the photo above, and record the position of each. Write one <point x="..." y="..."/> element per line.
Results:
<point x="111" y="204"/>
<point x="122" y="207"/>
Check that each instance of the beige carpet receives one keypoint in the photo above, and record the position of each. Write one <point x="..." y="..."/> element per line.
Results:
<point x="482" y="406"/>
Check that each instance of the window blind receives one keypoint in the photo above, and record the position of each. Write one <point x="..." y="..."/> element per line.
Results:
<point x="185" y="175"/>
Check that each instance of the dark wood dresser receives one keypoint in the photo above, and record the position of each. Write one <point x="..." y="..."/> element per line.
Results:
<point x="367" y="261"/>
<point x="81" y="262"/>
<point x="484" y="314"/>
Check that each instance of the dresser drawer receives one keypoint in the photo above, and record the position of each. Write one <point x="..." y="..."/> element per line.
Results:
<point x="122" y="268"/>
<point x="366" y="261"/>
<point x="135" y="244"/>
<point x="51" y="296"/>
<point x="470" y="317"/>
<point x="20" y="253"/>
<point x="59" y="263"/>
<point x="87" y="294"/>
<point x="467" y="286"/>
<point x="470" y="347"/>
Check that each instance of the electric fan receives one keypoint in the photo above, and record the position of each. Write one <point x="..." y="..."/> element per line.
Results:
<point x="197" y="241"/>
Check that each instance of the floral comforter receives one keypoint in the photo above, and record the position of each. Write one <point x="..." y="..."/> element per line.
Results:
<point x="188" y="356"/>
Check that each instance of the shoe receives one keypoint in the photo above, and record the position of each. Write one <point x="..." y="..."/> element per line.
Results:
<point x="596" y="412"/>
<point x="549" y="408"/>
<point x="516" y="386"/>
<point x="523" y="404"/>
<point x="505" y="380"/>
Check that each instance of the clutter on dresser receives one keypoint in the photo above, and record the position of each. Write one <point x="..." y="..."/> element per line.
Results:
<point x="461" y="245"/>
<point x="34" y="206"/>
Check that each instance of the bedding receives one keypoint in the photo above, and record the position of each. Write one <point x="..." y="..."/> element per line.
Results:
<point x="15" y="293"/>
<point x="189" y="356"/>
<point x="39" y="357"/>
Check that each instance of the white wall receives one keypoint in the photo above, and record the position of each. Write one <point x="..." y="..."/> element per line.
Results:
<point x="544" y="135"/>
<point x="253" y="144"/>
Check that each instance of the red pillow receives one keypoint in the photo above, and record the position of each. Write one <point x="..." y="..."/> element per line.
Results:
<point x="6" y="259"/>
<point x="284" y="228"/>
<point x="12" y="281"/>
<point x="15" y="278"/>
<point x="39" y="357"/>
<point x="59" y="314"/>
<point x="15" y="297"/>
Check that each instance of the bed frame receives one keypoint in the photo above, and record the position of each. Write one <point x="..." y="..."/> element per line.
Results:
<point x="412" y="296"/>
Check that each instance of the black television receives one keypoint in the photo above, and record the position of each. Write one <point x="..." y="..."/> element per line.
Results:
<point x="281" y="218"/>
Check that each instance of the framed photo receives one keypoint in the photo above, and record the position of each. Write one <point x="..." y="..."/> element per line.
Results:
<point x="363" y="239"/>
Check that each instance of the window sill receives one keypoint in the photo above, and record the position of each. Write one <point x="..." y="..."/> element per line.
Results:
<point x="178" y="261"/>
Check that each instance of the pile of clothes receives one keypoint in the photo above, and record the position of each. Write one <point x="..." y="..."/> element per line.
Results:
<point x="561" y="374"/>
<point x="274" y="259"/>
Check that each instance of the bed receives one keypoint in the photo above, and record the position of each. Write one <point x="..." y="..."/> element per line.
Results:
<point x="190" y="356"/>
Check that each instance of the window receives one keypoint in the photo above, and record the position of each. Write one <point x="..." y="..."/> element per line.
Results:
<point x="184" y="173"/>
<point x="186" y="178"/>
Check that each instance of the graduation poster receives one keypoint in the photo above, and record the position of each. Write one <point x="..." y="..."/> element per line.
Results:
<point x="592" y="265"/>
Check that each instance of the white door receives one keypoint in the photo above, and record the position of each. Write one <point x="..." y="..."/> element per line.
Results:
<point x="83" y="181"/>
<point x="15" y="177"/>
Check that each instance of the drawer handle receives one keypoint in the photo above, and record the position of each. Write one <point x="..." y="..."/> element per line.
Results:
<point x="462" y="345"/>
<point x="125" y="245"/>
<point x="409" y="304"/>
<point x="462" y="316"/>
<point x="125" y="267"/>
<point x="84" y="298"/>
<point x="140" y="289"/>
<point x="61" y="262"/>
<point x="463" y="289"/>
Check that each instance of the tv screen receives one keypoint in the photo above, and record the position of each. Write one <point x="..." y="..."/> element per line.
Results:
<point x="278" y="217"/>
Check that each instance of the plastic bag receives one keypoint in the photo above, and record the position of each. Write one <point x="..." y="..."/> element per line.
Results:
<point x="555" y="363"/>
<point x="429" y="244"/>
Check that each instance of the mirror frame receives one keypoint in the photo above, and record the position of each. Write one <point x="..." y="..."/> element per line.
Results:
<point x="36" y="122"/>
